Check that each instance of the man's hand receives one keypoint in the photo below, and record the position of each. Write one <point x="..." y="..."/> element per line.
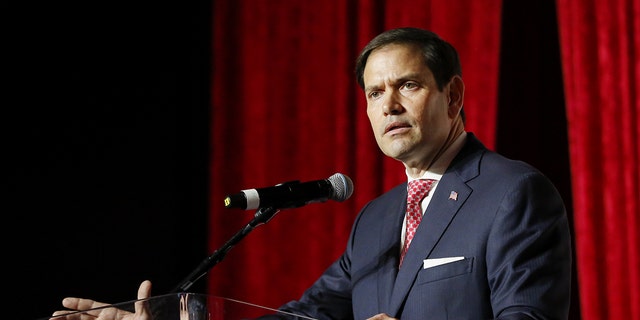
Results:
<point x="80" y="304"/>
<point x="381" y="316"/>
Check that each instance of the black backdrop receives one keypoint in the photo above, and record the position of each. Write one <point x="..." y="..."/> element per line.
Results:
<point x="108" y="149"/>
<point x="106" y="135"/>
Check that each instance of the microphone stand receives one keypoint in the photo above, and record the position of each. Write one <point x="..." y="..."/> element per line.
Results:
<point x="262" y="216"/>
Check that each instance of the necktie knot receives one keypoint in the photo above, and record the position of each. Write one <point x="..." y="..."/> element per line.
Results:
<point x="416" y="191"/>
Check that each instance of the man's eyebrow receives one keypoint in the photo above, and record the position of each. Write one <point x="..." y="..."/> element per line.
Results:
<point x="402" y="79"/>
<point x="407" y="77"/>
<point x="370" y="88"/>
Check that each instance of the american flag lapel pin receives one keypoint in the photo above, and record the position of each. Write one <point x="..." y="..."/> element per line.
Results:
<point x="453" y="196"/>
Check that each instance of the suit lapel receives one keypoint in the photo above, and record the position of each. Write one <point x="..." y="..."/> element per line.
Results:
<point x="438" y="216"/>
<point x="389" y="267"/>
<point x="450" y="194"/>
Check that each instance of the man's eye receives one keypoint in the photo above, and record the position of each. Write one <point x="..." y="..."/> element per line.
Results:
<point x="374" y="94"/>
<point x="410" y="85"/>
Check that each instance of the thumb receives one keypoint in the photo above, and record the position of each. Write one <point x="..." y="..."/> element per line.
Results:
<point x="144" y="292"/>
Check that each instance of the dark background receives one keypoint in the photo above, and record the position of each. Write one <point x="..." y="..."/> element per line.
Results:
<point x="107" y="136"/>
<point x="108" y="149"/>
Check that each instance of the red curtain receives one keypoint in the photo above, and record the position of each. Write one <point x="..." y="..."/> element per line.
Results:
<point x="286" y="106"/>
<point x="600" y="45"/>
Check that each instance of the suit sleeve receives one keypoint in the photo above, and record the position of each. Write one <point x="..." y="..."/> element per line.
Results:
<point x="529" y="253"/>
<point x="330" y="295"/>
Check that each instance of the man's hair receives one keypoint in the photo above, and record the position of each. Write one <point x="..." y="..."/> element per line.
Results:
<point x="440" y="56"/>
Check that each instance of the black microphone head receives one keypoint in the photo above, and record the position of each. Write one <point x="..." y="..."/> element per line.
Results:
<point x="342" y="187"/>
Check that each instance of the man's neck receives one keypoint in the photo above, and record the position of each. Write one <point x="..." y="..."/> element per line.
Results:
<point x="441" y="162"/>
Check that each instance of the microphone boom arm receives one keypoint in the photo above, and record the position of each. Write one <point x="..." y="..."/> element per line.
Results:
<point x="262" y="216"/>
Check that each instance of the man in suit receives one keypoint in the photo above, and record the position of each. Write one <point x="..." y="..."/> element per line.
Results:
<point x="493" y="241"/>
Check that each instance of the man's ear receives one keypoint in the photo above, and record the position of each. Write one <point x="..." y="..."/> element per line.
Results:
<point x="456" y="95"/>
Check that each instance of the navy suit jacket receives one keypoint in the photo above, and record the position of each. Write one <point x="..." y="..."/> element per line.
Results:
<point x="503" y="220"/>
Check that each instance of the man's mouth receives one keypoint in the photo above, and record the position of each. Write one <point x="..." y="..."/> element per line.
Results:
<point x="395" y="127"/>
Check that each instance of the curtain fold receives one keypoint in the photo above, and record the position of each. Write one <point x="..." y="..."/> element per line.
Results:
<point x="600" y="46"/>
<point x="286" y="106"/>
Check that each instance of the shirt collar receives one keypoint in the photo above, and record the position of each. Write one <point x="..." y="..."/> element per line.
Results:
<point x="440" y="166"/>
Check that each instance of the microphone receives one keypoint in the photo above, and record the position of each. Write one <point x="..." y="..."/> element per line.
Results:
<point x="293" y="194"/>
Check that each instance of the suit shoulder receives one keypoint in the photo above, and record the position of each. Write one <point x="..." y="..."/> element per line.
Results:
<point x="475" y="159"/>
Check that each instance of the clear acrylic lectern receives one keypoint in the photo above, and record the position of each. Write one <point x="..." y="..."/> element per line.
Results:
<point x="179" y="306"/>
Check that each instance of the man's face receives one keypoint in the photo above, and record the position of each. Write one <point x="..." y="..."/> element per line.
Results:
<point x="410" y="117"/>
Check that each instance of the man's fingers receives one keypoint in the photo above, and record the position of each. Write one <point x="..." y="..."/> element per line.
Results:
<point x="380" y="316"/>
<point x="144" y="291"/>
<point x="77" y="314"/>
<point x="81" y="304"/>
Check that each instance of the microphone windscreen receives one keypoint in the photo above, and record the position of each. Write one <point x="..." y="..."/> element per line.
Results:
<point x="342" y="187"/>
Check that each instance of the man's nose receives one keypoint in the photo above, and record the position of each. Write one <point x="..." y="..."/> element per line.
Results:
<point x="392" y="104"/>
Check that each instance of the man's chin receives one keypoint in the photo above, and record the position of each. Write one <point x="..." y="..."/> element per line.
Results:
<point x="400" y="154"/>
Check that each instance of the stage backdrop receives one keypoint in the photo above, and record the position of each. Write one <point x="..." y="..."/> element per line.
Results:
<point x="600" y="42"/>
<point x="285" y="106"/>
